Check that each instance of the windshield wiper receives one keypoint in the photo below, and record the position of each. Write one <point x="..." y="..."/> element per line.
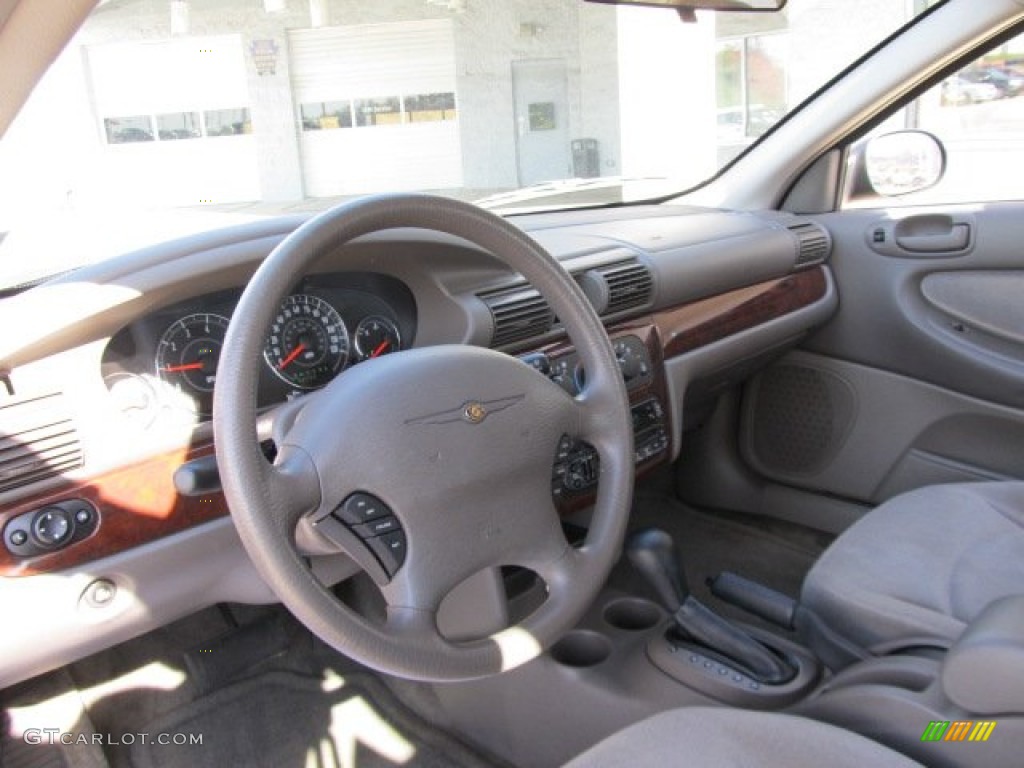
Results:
<point x="13" y="290"/>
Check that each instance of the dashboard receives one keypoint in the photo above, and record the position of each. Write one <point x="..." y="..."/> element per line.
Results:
<point x="110" y="505"/>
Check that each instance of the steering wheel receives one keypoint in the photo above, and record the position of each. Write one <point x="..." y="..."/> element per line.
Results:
<point x="452" y="448"/>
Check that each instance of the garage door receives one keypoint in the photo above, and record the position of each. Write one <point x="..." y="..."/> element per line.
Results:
<point x="174" y="119"/>
<point x="377" y="106"/>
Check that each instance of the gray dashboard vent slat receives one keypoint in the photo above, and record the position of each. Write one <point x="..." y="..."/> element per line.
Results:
<point x="519" y="314"/>
<point x="37" y="440"/>
<point x="815" y="243"/>
<point x="629" y="285"/>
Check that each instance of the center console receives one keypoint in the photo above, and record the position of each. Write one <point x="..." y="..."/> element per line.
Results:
<point x="576" y="465"/>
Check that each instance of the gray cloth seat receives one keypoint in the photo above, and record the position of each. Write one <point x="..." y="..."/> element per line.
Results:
<point x="725" y="738"/>
<point x="916" y="570"/>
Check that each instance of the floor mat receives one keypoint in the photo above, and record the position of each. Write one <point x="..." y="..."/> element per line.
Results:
<point x="43" y="724"/>
<point x="711" y="543"/>
<point x="286" y="720"/>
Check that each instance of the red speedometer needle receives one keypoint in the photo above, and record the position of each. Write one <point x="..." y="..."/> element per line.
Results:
<point x="291" y="357"/>
<point x="381" y="348"/>
<point x="184" y="367"/>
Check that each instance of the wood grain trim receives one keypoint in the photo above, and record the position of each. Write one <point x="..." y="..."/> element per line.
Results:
<point x="137" y="505"/>
<point x="704" y="322"/>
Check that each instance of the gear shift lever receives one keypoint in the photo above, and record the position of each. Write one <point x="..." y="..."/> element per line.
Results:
<point x="653" y="553"/>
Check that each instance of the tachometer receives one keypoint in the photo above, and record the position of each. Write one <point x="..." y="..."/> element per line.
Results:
<point x="189" y="350"/>
<point x="308" y="342"/>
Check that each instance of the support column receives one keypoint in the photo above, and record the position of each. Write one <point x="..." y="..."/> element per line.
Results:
<point x="274" y="120"/>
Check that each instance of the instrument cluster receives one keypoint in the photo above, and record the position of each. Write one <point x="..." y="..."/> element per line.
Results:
<point x="169" y="359"/>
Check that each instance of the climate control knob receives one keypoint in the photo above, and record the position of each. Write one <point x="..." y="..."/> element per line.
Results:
<point x="632" y="358"/>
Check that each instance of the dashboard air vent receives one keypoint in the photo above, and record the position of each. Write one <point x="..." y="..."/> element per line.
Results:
<point x="629" y="285"/>
<point x="37" y="440"/>
<point x="815" y="244"/>
<point x="519" y="314"/>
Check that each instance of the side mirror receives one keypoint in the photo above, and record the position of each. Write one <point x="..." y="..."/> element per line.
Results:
<point x="902" y="162"/>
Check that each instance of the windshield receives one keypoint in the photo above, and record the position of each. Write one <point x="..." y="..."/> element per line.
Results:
<point x="170" y="116"/>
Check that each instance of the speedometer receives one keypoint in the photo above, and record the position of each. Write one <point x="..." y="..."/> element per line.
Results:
<point x="308" y="342"/>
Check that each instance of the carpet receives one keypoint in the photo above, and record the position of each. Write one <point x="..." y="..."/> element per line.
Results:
<point x="282" y="719"/>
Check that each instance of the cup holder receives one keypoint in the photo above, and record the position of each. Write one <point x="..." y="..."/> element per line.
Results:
<point x="581" y="648"/>
<point x="632" y="614"/>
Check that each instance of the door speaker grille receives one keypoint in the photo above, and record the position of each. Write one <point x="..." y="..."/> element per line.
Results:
<point x="800" y="418"/>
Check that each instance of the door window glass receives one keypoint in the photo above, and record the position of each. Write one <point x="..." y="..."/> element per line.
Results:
<point x="978" y="115"/>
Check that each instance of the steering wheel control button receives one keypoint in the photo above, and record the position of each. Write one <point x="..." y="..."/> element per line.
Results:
<point x="389" y="550"/>
<point x="371" y="520"/>
<point x="51" y="526"/>
<point x="361" y="508"/>
<point x="377" y="527"/>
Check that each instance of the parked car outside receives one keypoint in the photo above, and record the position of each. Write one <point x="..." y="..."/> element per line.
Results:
<point x="963" y="89"/>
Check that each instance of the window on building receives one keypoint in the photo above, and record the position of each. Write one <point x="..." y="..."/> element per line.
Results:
<point x="178" y="125"/>
<point x="430" y="107"/>
<point x="326" y="115"/>
<point x="128" y="130"/>
<point x="750" y="85"/>
<point x="227" y="122"/>
<point x="387" y="111"/>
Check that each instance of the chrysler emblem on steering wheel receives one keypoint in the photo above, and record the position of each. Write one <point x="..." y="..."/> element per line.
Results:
<point x="472" y="412"/>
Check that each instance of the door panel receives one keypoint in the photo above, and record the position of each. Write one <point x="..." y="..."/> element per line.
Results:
<point x="988" y="302"/>
<point x="886" y="319"/>
<point x="861" y="433"/>
<point x="919" y="377"/>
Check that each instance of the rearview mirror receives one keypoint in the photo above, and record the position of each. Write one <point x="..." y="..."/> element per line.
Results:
<point x="903" y="162"/>
<point x="703" y="5"/>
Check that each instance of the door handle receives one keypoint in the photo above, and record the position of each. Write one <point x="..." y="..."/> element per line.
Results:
<point x="955" y="240"/>
<point x="932" y="233"/>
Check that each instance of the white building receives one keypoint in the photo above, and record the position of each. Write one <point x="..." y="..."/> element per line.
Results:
<point x="316" y="98"/>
